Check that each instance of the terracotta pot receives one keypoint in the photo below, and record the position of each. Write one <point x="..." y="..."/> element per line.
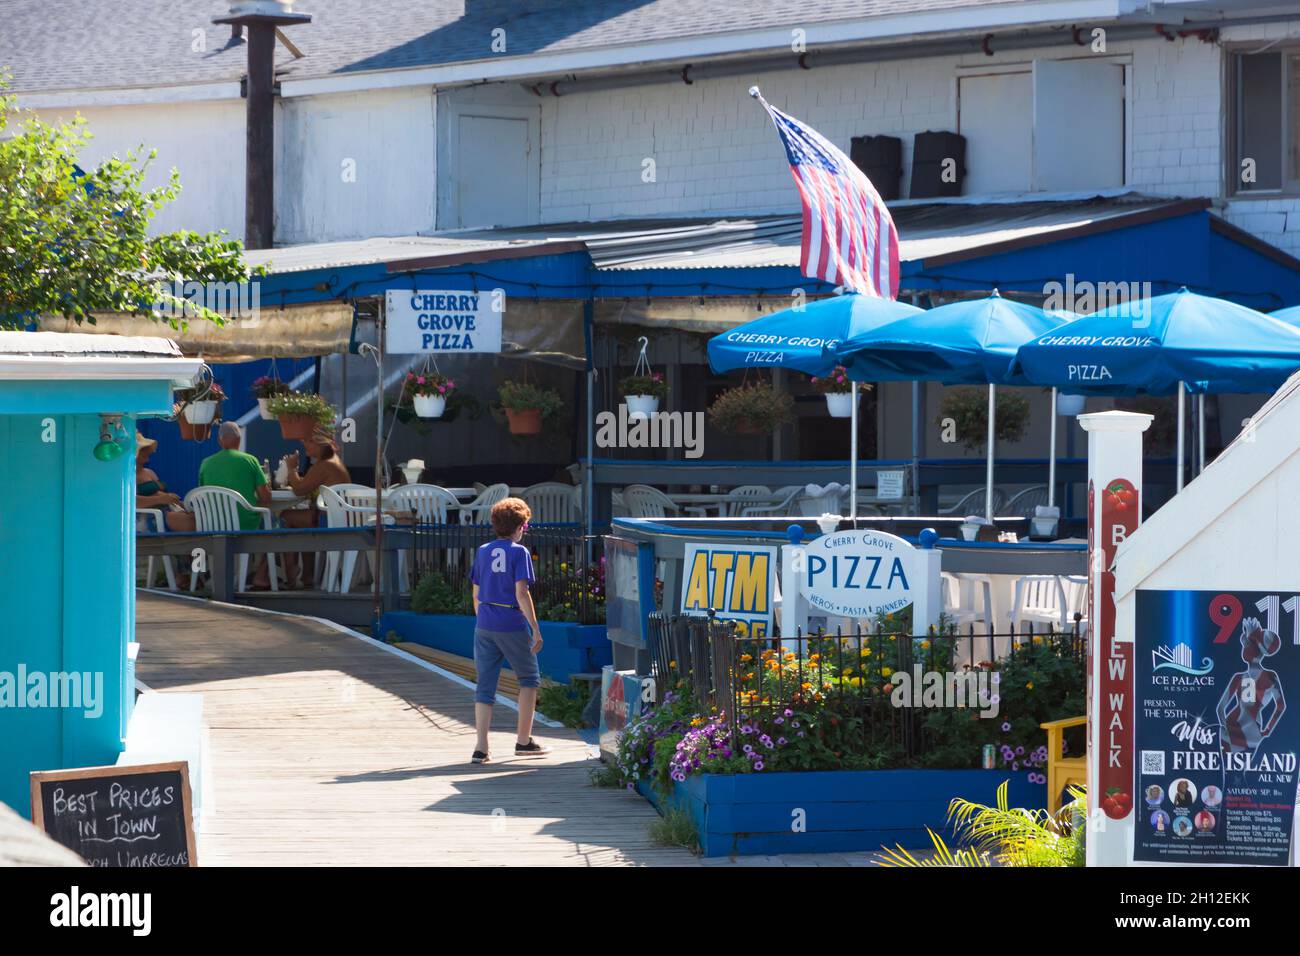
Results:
<point x="297" y="426"/>
<point x="192" y="432"/>
<point x="524" y="421"/>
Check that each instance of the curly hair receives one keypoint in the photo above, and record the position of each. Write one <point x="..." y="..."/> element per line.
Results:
<point x="509" y="515"/>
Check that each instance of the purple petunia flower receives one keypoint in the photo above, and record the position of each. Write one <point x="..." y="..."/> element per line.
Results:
<point x="1006" y="725"/>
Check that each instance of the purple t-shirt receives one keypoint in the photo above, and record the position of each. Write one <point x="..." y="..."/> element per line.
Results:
<point x="497" y="566"/>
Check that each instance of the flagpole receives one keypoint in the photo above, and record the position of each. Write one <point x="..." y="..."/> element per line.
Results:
<point x="1051" y="464"/>
<point x="1182" y="428"/>
<point x="988" y="468"/>
<point x="853" y="453"/>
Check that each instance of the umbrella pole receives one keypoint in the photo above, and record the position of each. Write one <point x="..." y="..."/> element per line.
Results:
<point x="1182" y="428"/>
<point x="1051" y="463"/>
<point x="988" y="471"/>
<point x="1200" y="432"/>
<point x="853" y="453"/>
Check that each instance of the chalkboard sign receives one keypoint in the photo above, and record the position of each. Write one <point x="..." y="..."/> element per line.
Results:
<point x="137" y="816"/>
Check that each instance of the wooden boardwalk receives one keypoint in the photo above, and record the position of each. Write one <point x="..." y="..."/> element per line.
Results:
<point x="325" y="749"/>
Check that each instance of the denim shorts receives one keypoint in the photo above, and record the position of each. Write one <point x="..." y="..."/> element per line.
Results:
<point x="494" y="648"/>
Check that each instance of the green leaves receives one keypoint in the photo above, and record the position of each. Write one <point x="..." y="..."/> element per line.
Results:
<point x="74" y="241"/>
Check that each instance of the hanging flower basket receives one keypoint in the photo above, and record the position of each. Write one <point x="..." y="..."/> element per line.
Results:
<point x="299" y="414"/>
<point x="429" y="406"/>
<point x="526" y="405"/>
<point x="838" y="391"/>
<point x="266" y="388"/>
<point x="197" y="408"/>
<point x="428" y="392"/>
<point x="641" y="406"/>
<point x="643" y="390"/>
<point x="751" y="410"/>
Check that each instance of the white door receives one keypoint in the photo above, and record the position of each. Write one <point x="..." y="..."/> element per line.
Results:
<point x="1078" y="125"/>
<point x="995" y="114"/>
<point x="494" y="166"/>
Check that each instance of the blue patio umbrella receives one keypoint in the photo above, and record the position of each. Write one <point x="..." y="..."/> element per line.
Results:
<point x="806" y="338"/>
<point x="972" y="341"/>
<point x="1289" y="315"/>
<point x="1170" y="343"/>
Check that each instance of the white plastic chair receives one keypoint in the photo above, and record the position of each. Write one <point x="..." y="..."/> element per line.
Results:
<point x="964" y="615"/>
<point x="552" y="502"/>
<point x="1039" y="598"/>
<point x="642" y="501"/>
<point x="782" y="504"/>
<point x="818" y="500"/>
<point x="216" y="510"/>
<point x="339" y="513"/>
<point x="1022" y="505"/>
<point x="973" y="504"/>
<point x="142" y="518"/>
<point x="738" y="499"/>
<point x="430" y="504"/>
<point x="479" y="511"/>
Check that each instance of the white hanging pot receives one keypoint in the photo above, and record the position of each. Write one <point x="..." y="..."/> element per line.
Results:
<point x="201" y="413"/>
<point x="839" y="404"/>
<point x="261" y="405"/>
<point x="430" y="406"/>
<point x="641" y="406"/>
<point x="1070" y="405"/>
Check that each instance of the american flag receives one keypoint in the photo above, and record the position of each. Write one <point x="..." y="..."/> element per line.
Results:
<point x="849" y="237"/>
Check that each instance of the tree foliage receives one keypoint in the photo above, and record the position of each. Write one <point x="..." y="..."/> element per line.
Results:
<point x="76" y="241"/>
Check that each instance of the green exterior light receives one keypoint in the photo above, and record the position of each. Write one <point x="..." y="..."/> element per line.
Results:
<point x="110" y="448"/>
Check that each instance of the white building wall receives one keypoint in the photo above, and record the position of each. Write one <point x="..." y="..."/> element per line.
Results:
<point x="715" y="152"/>
<point x="355" y="165"/>
<point x="203" y="140"/>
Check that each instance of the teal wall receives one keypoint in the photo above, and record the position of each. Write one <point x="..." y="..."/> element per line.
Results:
<point x="67" y="557"/>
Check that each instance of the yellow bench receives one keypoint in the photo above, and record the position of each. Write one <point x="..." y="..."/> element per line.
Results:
<point x="1062" y="771"/>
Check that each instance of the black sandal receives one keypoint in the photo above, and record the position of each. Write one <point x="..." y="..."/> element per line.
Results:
<point x="480" y="757"/>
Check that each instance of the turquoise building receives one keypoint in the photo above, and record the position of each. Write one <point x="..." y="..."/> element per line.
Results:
<point x="68" y="405"/>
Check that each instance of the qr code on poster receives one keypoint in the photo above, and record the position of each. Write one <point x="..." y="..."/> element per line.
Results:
<point x="1153" y="762"/>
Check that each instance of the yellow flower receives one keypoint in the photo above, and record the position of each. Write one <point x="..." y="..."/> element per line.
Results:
<point x="745" y="658"/>
<point x="1029" y="686"/>
<point x="697" y="721"/>
<point x="806" y="686"/>
<point x="814" y="658"/>
<point x="866" y="652"/>
<point x="855" y="681"/>
<point x="925" y="645"/>
<point x="789" y="655"/>
<point x="886" y="671"/>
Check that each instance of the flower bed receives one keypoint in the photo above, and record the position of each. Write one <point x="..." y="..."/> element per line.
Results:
<point x="830" y="811"/>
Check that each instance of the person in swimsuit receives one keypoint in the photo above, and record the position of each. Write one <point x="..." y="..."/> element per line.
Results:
<point x="150" y="492"/>
<point x="327" y="468"/>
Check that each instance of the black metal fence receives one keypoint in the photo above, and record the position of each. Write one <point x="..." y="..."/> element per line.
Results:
<point x="852" y="677"/>
<point x="569" y="569"/>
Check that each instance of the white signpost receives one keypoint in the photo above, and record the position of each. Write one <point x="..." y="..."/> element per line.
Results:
<point x="442" y="320"/>
<point x="860" y="574"/>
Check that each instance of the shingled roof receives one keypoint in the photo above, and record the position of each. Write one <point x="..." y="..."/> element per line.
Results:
<point x="111" y="44"/>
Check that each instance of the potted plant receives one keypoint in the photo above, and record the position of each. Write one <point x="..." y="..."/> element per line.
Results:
<point x="838" y="391"/>
<point x="267" y="388"/>
<point x="967" y="410"/>
<point x="642" y="393"/>
<point x="201" y="405"/>
<point x="300" y="413"/>
<point x="526" y="405"/>
<point x="751" y="410"/>
<point x="429" y="392"/>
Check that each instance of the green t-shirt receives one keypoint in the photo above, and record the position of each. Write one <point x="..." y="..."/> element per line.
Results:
<point x="239" y="472"/>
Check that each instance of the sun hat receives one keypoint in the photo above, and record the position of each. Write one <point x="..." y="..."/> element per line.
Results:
<point x="141" y="442"/>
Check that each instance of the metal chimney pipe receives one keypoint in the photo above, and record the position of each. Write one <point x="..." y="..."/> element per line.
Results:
<point x="259" y="20"/>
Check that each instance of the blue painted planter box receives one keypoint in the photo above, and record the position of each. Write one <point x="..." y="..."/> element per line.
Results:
<point x="567" y="648"/>
<point x="843" y="810"/>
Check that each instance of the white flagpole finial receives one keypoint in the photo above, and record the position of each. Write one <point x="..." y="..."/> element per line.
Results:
<point x="754" y="92"/>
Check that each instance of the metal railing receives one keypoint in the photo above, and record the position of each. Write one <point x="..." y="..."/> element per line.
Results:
<point x="847" y="677"/>
<point x="569" y="568"/>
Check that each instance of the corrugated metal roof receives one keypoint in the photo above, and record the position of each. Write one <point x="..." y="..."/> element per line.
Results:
<point x="82" y="344"/>
<point x="928" y="230"/>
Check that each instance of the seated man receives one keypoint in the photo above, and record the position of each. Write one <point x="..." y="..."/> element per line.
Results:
<point x="242" y="473"/>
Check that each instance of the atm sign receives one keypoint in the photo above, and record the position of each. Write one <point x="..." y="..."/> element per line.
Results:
<point x="736" y="582"/>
